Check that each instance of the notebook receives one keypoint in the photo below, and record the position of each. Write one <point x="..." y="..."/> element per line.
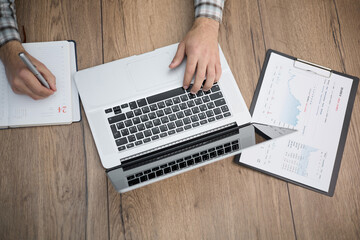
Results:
<point x="315" y="101"/>
<point x="60" y="108"/>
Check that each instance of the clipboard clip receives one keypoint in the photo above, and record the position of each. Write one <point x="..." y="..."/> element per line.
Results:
<point x="312" y="67"/>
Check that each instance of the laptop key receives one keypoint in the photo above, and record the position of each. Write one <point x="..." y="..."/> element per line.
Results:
<point x="121" y="148"/>
<point x="209" y="113"/>
<point x="149" y="124"/>
<point x="155" y="130"/>
<point x="139" y="136"/>
<point x="215" y="88"/>
<point x="147" y="133"/>
<point x="167" y="170"/>
<point x="155" y="137"/>
<point x="220" y="102"/>
<point x="116" y="118"/>
<point x="187" y="127"/>
<point x="198" y="101"/>
<point x="167" y="111"/>
<point x="187" y="112"/>
<point x="147" y="171"/>
<point x="218" y="117"/>
<point x="165" y="95"/>
<point x="175" y="167"/>
<point x="211" y="119"/>
<point x="143" y="178"/>
<point x="160" y="113"/>
<point x="197" y="159"/>
<point x="130" y="177"/>
<point x="171" y="132"/>
<point x="195" y="124"/>
<point x="141" y="127"/>
<point x="203" y="107"/>
<point x="156" y="122"/>
<point x="141" y="102"/>
<point x="133" y="105"/>
<point x="145" y="109"/>
<point x="180" y="129"/>
<point x="168" y="102"/>
<point x="137" y="112"/>
<point x="191" y="103"/>
<point x="125" y="132"/>
<point x="184" y="98"/>
<point x="182" y="164"/>
<point x="171" y="125"/>
<point x="144" y="118"/>
<point x="180" y="115"/>
<point x="194" y="118"/>
<point x="175" y="108"/>
<point x="172" y="117"/>
<point x="161" y="104"/>
<point x="146" y="140"/>
<point x="159" y="173"/>
<point x="187" y="120"/>
<point x="130" y="114"/>
<point x="206" y="99"/>
<point x="120" y="125"/>
<point x="163" y="134"/>
<point x="217" y="111"/>
<point x="216" y="95"/>
<point x="202" y="122"/>
<point x="224" y="108"/>
<point x="151" y="175"/>
<point x="164" y="119"/>
<point x="125" y="105"/>
<point x="138" y="143"/>
<point x="228" y="114"/>
<point x="109" y="110"/>
<point x="153" y="107"/>
<point x="128" y="123"/>
<point x="179" y="123"/>
<point x="210" y="105"/>
<point x="176" y="100"/>
<point x="133" y="129"/>
<point x="195" y="110"/>
<point x="202" y="116"/>
<point x="132" y="138"/>
<point x="134" y="182"/>
<point x="152" y="115"/>
<point x="163" y="128"/>
<point x="130" y="145"/>
<point x="121" y="141"/>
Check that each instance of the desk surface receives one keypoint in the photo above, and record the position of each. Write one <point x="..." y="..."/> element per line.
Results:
<point x="63" y="192"/>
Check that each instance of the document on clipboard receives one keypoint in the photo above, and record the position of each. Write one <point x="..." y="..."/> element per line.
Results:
<point x="316" y="102"/>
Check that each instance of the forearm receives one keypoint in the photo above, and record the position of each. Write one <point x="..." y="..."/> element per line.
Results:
<point x="8" y="26"/>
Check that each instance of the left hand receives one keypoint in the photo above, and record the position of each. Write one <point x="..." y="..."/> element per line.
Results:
<point x="201" y="48"/>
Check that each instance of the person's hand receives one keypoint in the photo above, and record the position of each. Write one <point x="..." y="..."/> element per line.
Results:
<point x="21" y="79"/>
<point x="201" y="48"/>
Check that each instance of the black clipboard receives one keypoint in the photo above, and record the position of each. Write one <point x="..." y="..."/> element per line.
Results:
<point x="344" y="130"/>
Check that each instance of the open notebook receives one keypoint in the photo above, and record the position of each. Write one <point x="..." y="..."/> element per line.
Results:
<point x="60" y="108"/>
<point x="315" y="101"/>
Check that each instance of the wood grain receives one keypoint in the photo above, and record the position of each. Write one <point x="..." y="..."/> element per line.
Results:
<point x="325" y="32"/>
<point x="44" y="179"/>
<point x="220" y="201"/>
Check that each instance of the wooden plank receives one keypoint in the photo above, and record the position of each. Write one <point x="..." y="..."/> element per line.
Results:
<point x="219" y="201"/>
<point x="44" y="193"/>
<point x="325" y="32"/>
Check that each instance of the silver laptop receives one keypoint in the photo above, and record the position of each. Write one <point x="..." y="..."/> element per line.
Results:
<point x="147" y="127"/>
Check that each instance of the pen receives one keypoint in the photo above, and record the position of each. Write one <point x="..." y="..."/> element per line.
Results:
<point x="33" y="69"/>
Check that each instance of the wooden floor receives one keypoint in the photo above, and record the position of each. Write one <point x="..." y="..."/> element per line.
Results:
<point x="52" y="184"/>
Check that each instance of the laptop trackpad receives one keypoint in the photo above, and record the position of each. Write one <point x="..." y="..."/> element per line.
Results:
<point x="153" y="72"/>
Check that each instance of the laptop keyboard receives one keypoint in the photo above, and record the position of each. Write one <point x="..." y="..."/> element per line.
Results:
<point x="161" y="115"/>
<point x="182" y="163"/>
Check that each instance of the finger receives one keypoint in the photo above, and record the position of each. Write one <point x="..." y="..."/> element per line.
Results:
<point x="45" y="72"/>
<point x="210" y="77"/>
<point x="33" y="84"/>
<point x="179" y="56"/>
<point x="200" y="76"/>
<point x="189" y="72"/>
<point x="218" y="72"/>
<point x="21" y="88"/>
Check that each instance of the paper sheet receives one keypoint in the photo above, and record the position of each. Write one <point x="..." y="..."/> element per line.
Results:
<point x="312" y="104"/>
<point x="56" y="109"/>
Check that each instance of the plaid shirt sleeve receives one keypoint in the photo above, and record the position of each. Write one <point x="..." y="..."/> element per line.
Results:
<point x="209" y="8"/>
<point x="8" y="26"/>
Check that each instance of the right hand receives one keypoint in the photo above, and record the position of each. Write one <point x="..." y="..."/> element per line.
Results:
<point x="21" y="79"/>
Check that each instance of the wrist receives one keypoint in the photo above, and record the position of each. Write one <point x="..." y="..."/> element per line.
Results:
<point x="10" y="49"/>
<point x="207" y="22"/>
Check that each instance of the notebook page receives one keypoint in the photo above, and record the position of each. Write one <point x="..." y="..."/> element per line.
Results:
<point x="4" y="101"/>
<point x="55" y="109"/>
<point x="312" y="104"/>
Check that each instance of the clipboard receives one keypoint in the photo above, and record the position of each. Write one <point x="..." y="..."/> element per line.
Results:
<point x="322" y="73"/>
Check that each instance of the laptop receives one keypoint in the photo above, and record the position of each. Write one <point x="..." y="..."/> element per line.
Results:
<point x="147" y="128"/>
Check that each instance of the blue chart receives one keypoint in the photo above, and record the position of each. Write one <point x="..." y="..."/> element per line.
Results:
<point x="290" y="110"/>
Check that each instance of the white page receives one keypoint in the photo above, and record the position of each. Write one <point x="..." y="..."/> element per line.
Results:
<point x="55" y="109"/>
<point x="4" y="101"/>
<point x="312" y="104"/>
